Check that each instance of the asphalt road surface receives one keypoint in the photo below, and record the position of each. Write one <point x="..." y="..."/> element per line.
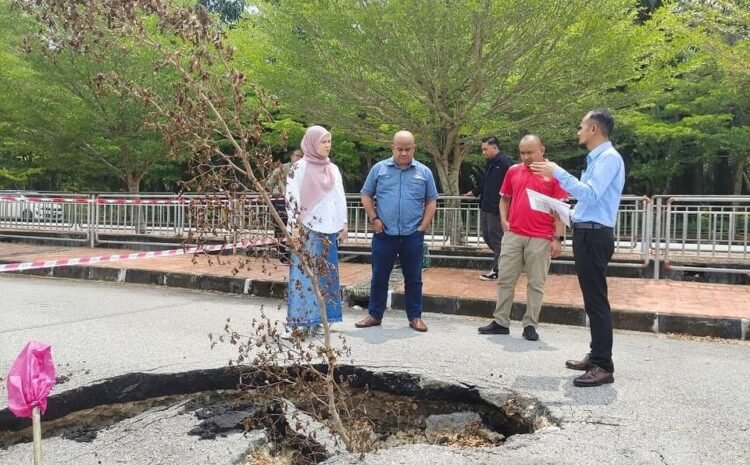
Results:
<point x="675" y="401"/>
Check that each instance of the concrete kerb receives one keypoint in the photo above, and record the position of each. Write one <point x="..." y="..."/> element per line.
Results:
<point x="630" y="320"/>
<point x="643" y="321"/>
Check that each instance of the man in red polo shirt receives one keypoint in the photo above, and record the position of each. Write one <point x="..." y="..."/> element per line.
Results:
<point x="531" y="239"/>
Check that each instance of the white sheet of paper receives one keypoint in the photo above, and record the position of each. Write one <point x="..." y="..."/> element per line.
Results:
<point x="547" y="204"/>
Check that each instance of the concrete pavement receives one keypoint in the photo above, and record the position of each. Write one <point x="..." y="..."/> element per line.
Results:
<point x="675" y="401"/>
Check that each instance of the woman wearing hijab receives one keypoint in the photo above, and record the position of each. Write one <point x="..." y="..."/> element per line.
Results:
<point x="316" y="206"/>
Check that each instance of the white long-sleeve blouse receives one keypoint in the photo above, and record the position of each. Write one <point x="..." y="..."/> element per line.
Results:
<point x="328" y="215"/>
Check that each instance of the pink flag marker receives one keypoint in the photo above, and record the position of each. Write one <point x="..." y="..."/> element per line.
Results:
<point x="30" y="379"/>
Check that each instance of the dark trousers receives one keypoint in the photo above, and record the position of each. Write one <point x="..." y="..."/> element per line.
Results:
<point x="492" y="233"/>
<point x="592" y="250"/>
<point x="409" y="250"/>
<point x="279" y="205"/>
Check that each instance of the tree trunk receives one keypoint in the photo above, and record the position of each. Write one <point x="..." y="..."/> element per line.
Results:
<point x="739" y="177"/>
<point x="443" y="170"/>
<point x="668" y="185"/>
<point x="133" y="182"/>
<point x="448" y="166"/>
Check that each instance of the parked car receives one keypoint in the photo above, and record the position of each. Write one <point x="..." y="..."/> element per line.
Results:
<point x="26" y="206"/>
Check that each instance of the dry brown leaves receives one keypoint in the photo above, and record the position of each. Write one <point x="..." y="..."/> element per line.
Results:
<point x="711" y="339"/>
<point x="264" y="457"/>
<point x="473" y="436"/>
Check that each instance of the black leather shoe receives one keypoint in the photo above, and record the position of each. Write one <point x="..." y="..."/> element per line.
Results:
<point x="494" y="328"/>
<point x="596" y="376"/>
<point x="582" y="365"/>
<point x="530" y="334"/>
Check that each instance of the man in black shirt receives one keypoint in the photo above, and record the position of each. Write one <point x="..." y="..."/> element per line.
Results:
<point x="488" y="192"/>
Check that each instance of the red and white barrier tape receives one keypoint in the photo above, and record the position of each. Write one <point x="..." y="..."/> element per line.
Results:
<point x="10" y="198"/>
<point x="141" y="201"/>
<point x="40" y="264"/>
<point x="200" y="200"/>
<point x="99" y="201"/>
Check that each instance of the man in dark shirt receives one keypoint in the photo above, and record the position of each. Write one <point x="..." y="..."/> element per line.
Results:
<point x="488" y="192"/>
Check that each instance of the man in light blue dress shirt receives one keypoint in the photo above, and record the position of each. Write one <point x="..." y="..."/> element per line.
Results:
<point x="406" y="197"/>
<point x="598" y="193"/>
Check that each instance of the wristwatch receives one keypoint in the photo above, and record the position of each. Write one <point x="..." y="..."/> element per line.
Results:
<point x="561" y="239"/>
<point x="372" y="220"/>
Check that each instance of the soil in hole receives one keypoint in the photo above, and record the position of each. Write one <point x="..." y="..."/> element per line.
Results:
<point x="395" y="419"/>
<point x="397" y="409"/>
<point x="398" y="419"/>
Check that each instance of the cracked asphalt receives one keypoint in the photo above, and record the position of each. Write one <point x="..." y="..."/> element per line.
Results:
<point x="674" y="401"/>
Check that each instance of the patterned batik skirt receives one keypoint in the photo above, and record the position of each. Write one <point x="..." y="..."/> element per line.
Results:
<point x="303" y="309"/>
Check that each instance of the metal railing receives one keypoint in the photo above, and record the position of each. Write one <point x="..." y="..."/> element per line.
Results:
<point x="118" y="215"/>
<point x="168" y="216"/>
<point x="456" y="227"/>
<point x="702" y="230"/>
<point x="673" y="232"/>
<point x="57" y="216"/>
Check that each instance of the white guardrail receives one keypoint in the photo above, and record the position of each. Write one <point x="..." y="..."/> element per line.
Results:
<point x="688" y="233"/>
<point x="701" y="233"/>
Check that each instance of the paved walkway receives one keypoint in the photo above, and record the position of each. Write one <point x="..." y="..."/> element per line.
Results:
<point x="655" y="298"/>
<point x="632" y="294"/>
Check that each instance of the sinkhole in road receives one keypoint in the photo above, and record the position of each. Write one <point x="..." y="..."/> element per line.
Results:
<point x="385" y="409"/>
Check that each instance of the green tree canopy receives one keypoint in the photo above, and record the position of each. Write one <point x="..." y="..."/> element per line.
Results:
<point x="451" y="72"/>
<point x="53" y="110"/>
<point x="692" y="119"/>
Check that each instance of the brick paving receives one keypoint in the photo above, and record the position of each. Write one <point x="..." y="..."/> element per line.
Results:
<point x="631" y="294"/>
<point x="634" y="295"/>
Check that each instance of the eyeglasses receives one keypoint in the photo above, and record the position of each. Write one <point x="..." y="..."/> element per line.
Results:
<point x="404" y="149"/>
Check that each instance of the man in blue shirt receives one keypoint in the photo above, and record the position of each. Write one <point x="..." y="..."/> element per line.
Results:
<point x="598" y="193"/>
<point x="406" y="202"/>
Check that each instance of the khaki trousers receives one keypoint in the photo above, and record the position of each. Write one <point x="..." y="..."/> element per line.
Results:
<point x="520" y="253"/>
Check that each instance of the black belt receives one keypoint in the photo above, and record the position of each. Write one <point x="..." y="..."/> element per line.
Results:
<point x="589" y="225"/>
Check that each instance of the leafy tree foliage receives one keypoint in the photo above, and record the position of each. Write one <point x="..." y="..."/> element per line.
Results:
<point x="690" y="131"/>
<point x="52" y="110"/>
<point x="451" y="72"/>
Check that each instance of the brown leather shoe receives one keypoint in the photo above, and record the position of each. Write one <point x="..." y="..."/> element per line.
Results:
<point x="368" y="322"/>
<point x="582" y="365"/>
<point x="596" y="376"/>
<point x="418" y="325"/>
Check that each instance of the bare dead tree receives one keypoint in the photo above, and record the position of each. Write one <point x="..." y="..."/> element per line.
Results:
<point x="216" y="116"/>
